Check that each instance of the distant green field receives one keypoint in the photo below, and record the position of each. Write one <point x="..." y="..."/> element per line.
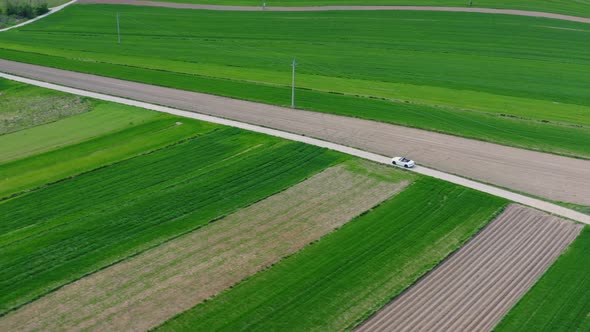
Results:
<point x="62" y="232"/>
<point x="450" y="72"/>
<point x="578" y="7"/>
<point x="24" y="106"/>
<point x="335" y="283"/>
<point x="560" y="300"/>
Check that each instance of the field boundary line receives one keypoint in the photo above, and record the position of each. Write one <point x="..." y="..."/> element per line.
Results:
<point x="495" y="191"/>
<point x="480" y="10"/>
<point x="51" y="11"/>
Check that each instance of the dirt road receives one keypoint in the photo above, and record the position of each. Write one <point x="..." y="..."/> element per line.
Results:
<point x="549" y="176"/>
<point x="472" y="290"/>
<point x="328" y="8"/>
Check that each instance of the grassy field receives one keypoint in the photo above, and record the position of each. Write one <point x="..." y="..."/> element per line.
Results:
<point x="51" y="166"/>
<point x="337" y="282"/>
<point x="73" y="143"/>
<point x="559" y="301"/>
<point x="457" y="74"/>
<point x="105" y="118"/>
<point x="60" y="233"/>
<point x="24" y="106"/>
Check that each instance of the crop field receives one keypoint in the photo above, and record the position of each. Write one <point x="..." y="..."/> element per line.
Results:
<point x="578" y="8"/>
<point x="62" y="232"/>
<point x="560" y="300"/>
<point x="337" y="282"/>
<point x="187" y="270"/>
<point x="23" y="106"/>
<point x="473" y="289"/>
<point x="104" y="119"/>
<point x="457" y="74"/>
<point x="102" y="134"/>
<point x="48" y="167"/>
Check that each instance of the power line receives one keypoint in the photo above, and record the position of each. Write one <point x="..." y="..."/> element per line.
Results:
<point x="293" y="84"/>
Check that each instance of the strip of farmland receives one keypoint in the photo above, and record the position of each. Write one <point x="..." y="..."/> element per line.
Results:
<point x="336" y="282"/>
<point x="151" y="288"/>
<point x="48" y="167"/>
<point x="62" y="232"/>
<point x="473" y="289"/>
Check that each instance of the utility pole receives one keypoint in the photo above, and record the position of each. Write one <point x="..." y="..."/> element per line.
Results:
<point x="293" y="85"/>
<point x="118" y="29"/>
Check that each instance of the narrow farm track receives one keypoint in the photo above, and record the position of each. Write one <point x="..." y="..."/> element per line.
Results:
<point x="172" y="278"/>
<point x="475" y="287"/>
<point x="340" y="8"/>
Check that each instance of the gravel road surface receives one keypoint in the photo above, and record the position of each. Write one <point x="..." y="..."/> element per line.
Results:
<point x="328" y="8"/>
<point x="548" y="176"/>
<point x="474" y="288"/>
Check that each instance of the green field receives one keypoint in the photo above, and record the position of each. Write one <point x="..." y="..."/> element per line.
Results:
<point x="458" y="74"/>
<point x="560" y="300"/>
<point x="578" y="7"/>
<point x="41" y="153"/>
<point x="335" y="283"/>
<point x="105" y="118"/>
<point x="24" y="106"/>
<point x="62" y="232"/>
<point x="43" y="168"/>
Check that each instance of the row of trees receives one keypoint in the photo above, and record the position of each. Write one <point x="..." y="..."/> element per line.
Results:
<point x="25" y="9"/>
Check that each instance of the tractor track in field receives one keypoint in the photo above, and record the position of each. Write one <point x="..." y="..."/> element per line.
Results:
<point x="343" y="8"/>
<point x="474" y="288"/>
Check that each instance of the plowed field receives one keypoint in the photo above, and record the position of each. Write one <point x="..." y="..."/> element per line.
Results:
<point x="473" y="289"/>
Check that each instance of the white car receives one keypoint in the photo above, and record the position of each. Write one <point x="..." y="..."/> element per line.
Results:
<point x="403" y="161"/>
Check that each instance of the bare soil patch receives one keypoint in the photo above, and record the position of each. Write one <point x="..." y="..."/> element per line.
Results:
<point x="474" y="288"/>
<point x="149" y="289"/>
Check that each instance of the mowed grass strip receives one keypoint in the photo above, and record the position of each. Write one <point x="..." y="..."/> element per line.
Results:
<point x="335" y="283"/>
<point x="145" y="291"/>
<point x="428" y="66"/>
<point x="104" y="118"/>
<point x="560" y="300"/>
<point x="62" y="232"/>
<point x="41" y="169"/>
<point x="23" y="106"/>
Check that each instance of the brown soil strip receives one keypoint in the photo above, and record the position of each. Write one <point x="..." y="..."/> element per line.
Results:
<point x="475" y="288"/>
<point x="149" y="289"/>
<point x="330" y="8"/>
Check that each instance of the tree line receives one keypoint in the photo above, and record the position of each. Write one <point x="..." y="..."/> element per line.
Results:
<point x="24" y="9"/>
